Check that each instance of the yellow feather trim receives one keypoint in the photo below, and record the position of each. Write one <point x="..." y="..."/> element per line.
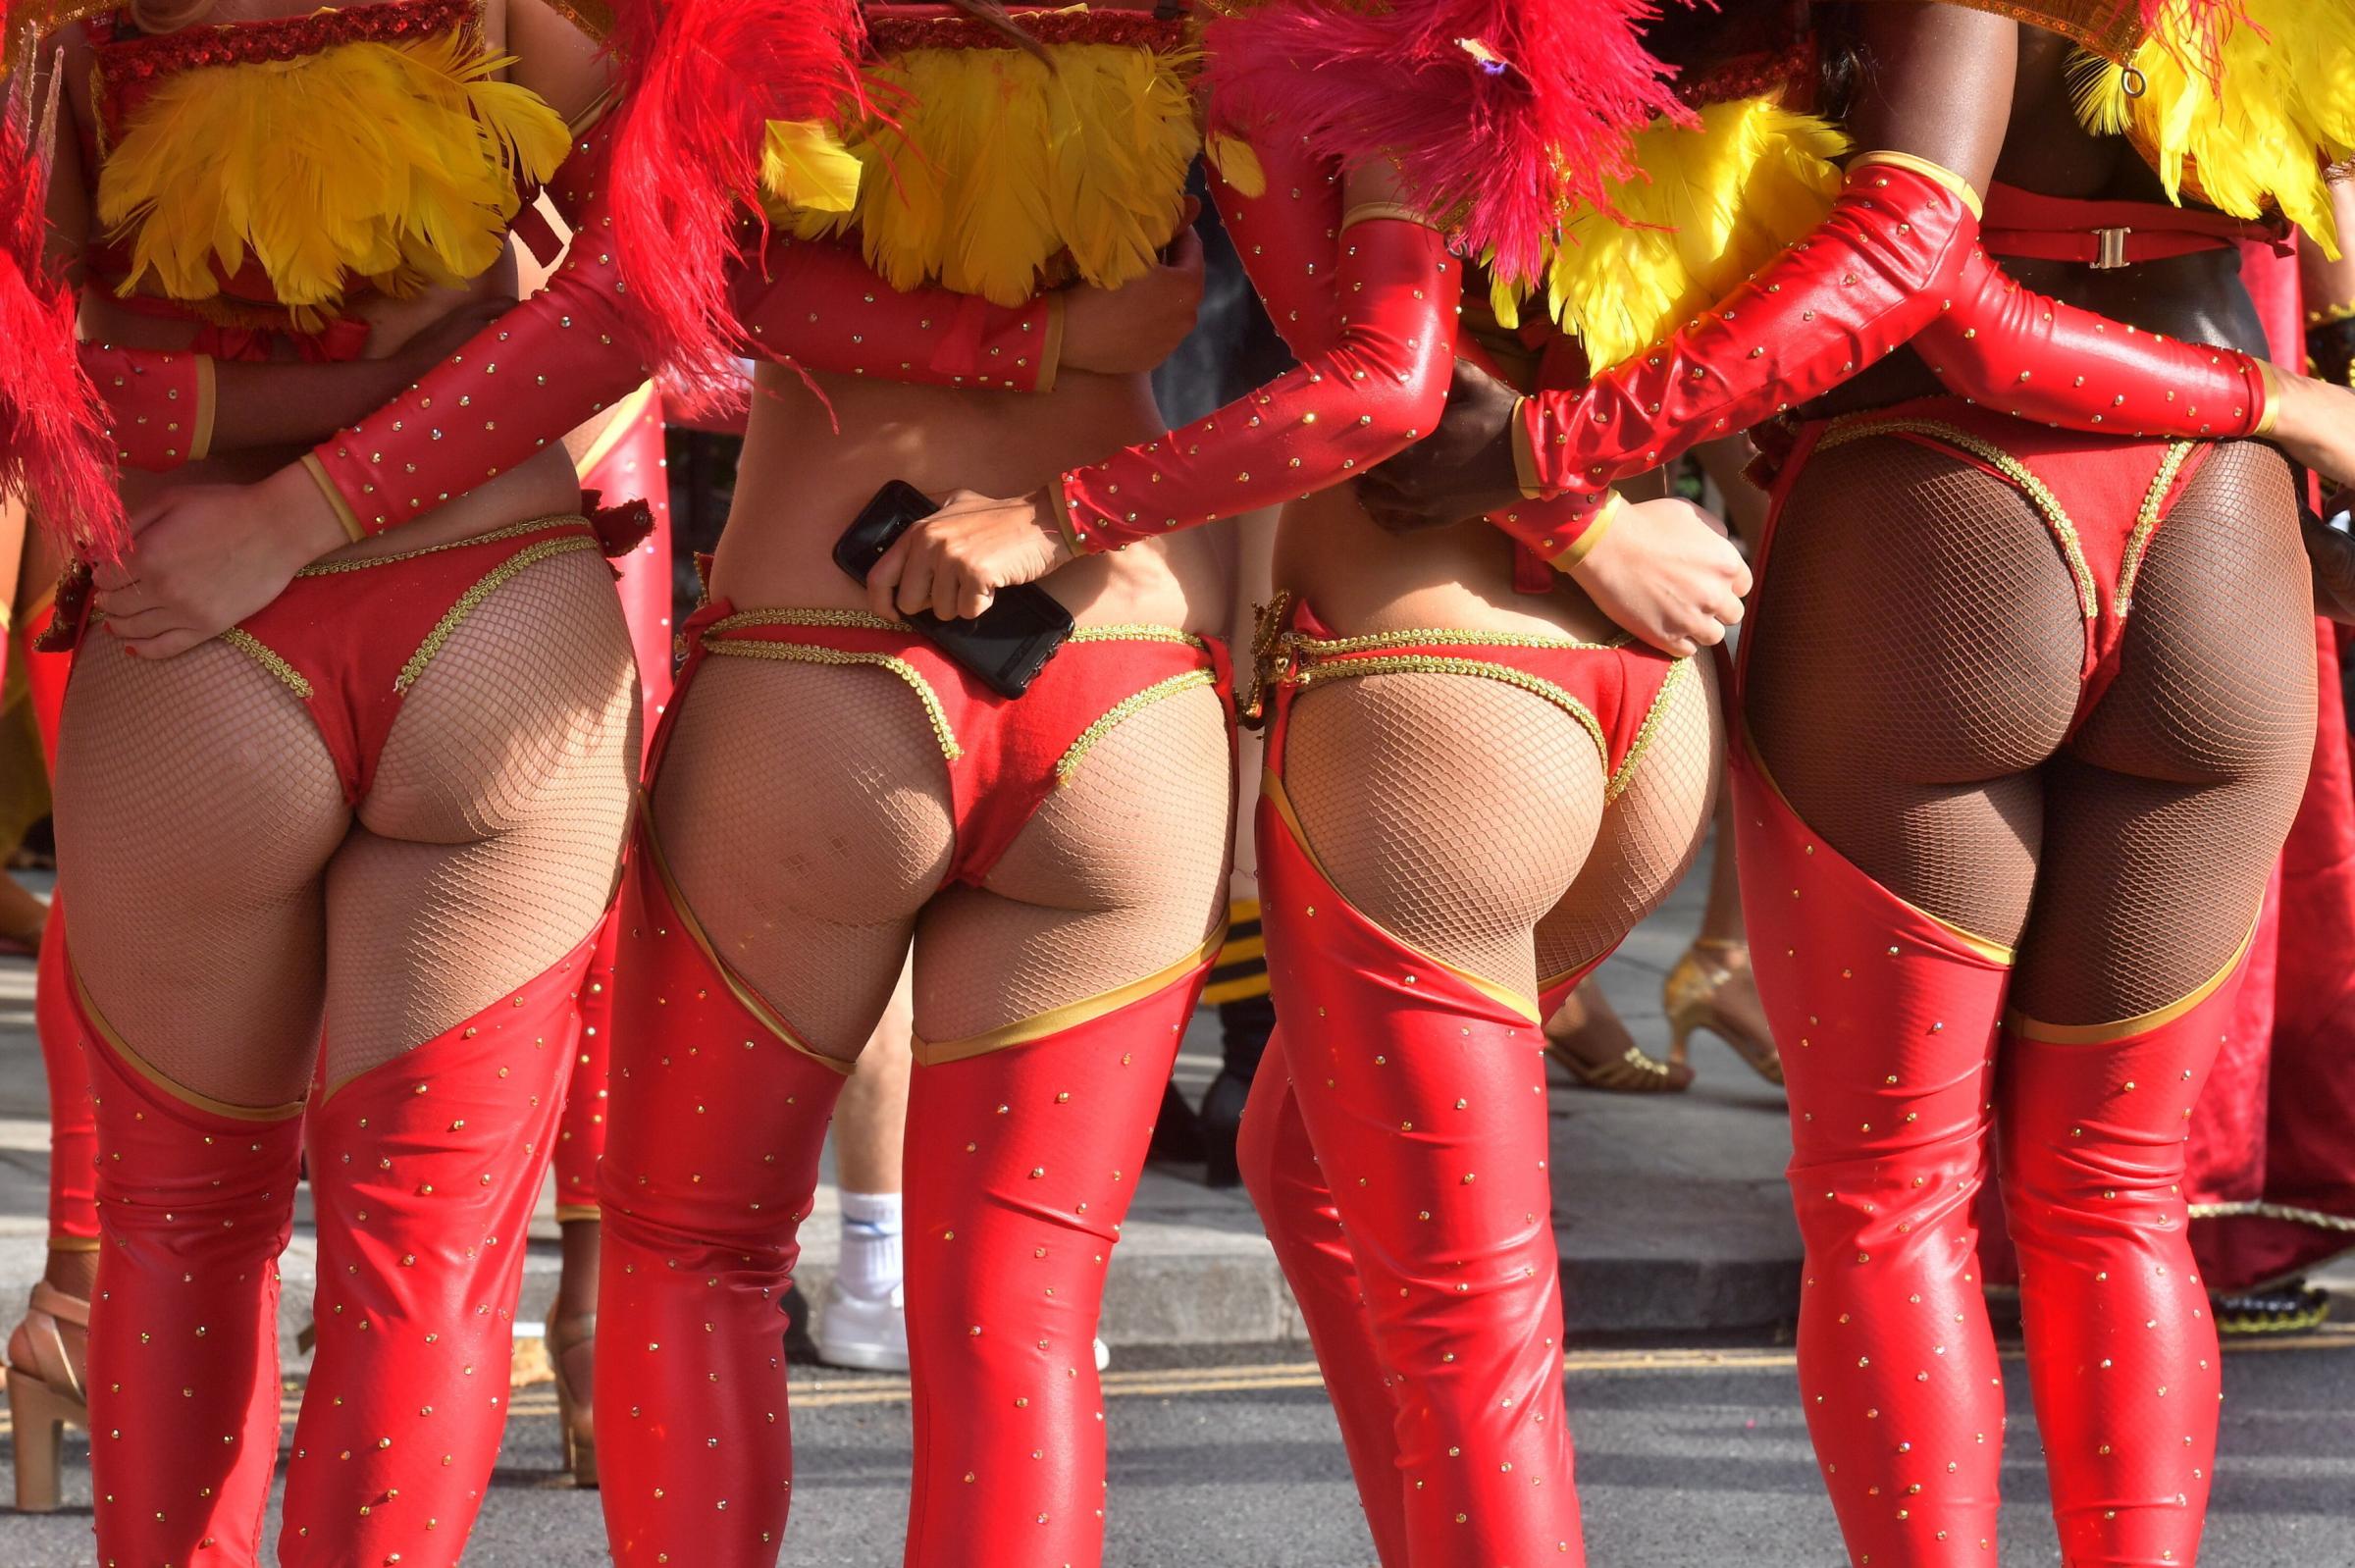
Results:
<point x="395" y="163"/>
<point x="805" y="166"/>
<point x="2253" y="136"/>
<point x="996" y="174"/>
<point x="1709" y="206"/>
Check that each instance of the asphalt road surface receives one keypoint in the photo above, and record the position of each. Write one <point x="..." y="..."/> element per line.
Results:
<point x="1688" y="1458"/>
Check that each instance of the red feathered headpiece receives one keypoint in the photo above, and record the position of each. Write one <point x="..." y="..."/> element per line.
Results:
<point x="54" y="454"/>
<point x="701" y="79"/>
<point x="1496" y="111"/>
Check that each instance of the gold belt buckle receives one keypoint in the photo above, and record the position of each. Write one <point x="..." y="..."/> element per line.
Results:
<point x="2113" y="253"/>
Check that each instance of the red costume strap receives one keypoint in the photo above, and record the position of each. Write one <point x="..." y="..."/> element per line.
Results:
<point x="1366" y="300"/>
<point x="2108" y="234"/>
<point x="1879" y="268"/>
<point x="2036" y="357"/>
<point x="160" y="405"/>
<point x="569" y="351"/>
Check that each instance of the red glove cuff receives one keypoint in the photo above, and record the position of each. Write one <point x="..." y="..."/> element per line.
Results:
<point x="159" y="404"/>
<point x="2036" y="357"/>
<point x="1878" y="269"/>
<point x="1560" y="529"/>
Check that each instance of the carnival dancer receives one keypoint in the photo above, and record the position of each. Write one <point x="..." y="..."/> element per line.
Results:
<point x="1959" y="569"/>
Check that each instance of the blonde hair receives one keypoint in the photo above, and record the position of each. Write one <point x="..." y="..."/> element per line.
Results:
<point x="168" y="16"/>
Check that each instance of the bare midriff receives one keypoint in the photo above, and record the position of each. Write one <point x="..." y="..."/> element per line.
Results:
<point x="805" y="476"/>
<point x="1361" y="579"/>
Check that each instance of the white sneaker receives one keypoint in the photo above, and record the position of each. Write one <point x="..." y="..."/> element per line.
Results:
<point x="1103" y="1355"/>
<point x="869" y="1332"/>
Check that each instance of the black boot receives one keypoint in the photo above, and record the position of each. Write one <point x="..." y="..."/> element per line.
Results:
<point x="1244" y="1025"/>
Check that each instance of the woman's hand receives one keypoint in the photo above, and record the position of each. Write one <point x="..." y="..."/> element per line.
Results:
<point x="1130" y="330"/>
<point x="1665" y="571"/>
<point x="1463" y="469"/>
<point x="2313" y="422"/>
<point x="954" y="562"/>
<point x="205" y="557"/>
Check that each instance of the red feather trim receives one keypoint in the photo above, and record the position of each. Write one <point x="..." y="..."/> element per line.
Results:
<point x="54" y="451"/>
<point x="1497" y="112"/>
<point x="702" y="81"/>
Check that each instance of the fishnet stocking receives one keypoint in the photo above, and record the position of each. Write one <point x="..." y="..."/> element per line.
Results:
<point x="1649" y="835"/>
<point x="1453" y="810"/>
<point x="2162" y="822"/>
<point x="198" y="808"/>
<point x="1119" y="874"/>
<point x="805" y="811"/>
<point x="488" y="844"/>
<point x="1915" y="655"/>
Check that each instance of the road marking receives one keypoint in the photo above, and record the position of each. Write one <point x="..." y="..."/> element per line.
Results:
<point x="825" y="1391"/>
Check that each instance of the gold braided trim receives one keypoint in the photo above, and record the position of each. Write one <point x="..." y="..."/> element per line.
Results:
<point x="1859" y="427"/>
<point x="749" y="1000"/>
<point x="145" y="1070"/>
<point x="804" y="653"/>
<point x="935" y="1053"/>
<point x="2146" y="521"/>
<point x="2028" y="1028"/>
<point x="1679" y="675"/>
<point x="1068" y="766"/>
<point x="1435" y="664"/>
<point x="490" y="583"/>
<point x="858" y="619"/>
<point x="1313" y="648"/>
<point x="262" y="653"/>
<point x="1271" y="789"/>
<point x="537" y="525"/>
<point x="2289" y="1212"/>
<point x="1136" y="632"/>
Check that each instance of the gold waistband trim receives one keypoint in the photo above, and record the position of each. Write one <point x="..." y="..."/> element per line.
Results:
<point x="2028" y="1028"/>
<point x="1344" y="669"/>
<point x="1986" y="948"/>
<point x="2146" y="521"/>
<point x="1680" y="674"/>
<point x="936" y="1053"/>
<point x="1068" y="765"/>
<point x="145" y="1070"/>
<point x="867" y="621"/>
<point x="811" y="654"/>
<point x="483" y="588"/>
<point x="1316" y="648"/>
<point x="1859" y="427"/>
<point x="749" y="1000"/>
<point x="537" y="525"/>
<point x="1271" y="789"/>
<point x="262" y="653"/>
<point x="1136" y="632"/>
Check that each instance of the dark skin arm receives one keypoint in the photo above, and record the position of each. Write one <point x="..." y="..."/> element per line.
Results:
<point x="1937" y="83"/>
<point x="277" y="404"/>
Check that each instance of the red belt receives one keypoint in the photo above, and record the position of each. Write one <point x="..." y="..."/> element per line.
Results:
<point x="2106" y="235"/>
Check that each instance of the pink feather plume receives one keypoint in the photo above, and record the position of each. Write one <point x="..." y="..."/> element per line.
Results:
<point x="54" y="452"/>
<point x="1496" y="111"/>
<point x="702" y="81"/>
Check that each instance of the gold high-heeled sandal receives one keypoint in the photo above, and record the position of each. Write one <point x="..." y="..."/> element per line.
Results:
<point x="44" y="1393"/>
<point x="1691" y="998"/>
<point x="574" y="1415"/>
<point x="1615" y="1065"/>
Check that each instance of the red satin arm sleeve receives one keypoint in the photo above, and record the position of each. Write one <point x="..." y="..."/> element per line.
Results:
<point x="1882" y="265"/>
<point x="2036" y="357"/>
<point x="572" y="349"/>
<point x="159" y="403"/>
<point x="1369" y="309"/>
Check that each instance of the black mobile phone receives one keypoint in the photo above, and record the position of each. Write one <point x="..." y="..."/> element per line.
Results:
<point x="1007" y="644"/>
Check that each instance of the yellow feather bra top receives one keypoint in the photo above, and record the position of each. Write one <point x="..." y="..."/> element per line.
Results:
<point x="2250" y="133"/>
<point x="994" y="172"/>
<point x="1708" y="205"/>
<point x="284" y="162"/>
